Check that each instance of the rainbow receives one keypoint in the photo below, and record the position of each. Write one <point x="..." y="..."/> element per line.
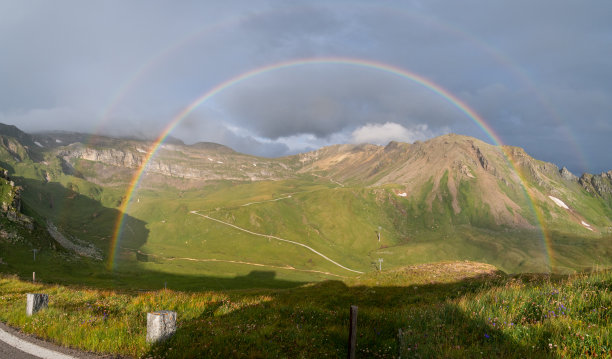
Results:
<point x="503" y="60"/>
<point x="369" y="64"/>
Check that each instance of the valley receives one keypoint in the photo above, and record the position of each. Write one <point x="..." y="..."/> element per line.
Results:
<point x="412" y="233"/>
<point x="203" y="212"/>
<point x="305" y="179"/>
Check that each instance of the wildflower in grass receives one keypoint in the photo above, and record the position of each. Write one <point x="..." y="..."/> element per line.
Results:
<point x="487" y="336"/>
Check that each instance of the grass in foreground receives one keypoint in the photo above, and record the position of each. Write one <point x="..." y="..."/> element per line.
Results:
<point x="458" y="309"/>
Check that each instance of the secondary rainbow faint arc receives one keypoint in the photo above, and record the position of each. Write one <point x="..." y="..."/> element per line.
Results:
<point x="294" y="63"/>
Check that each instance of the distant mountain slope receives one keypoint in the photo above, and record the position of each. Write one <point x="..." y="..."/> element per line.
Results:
<point x="506" y="181"/>
<point x="449" y="198"/>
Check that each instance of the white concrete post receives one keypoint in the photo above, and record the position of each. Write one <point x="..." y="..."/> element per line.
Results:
<point x="36" y="302"/>
<point x="160" y="325"/>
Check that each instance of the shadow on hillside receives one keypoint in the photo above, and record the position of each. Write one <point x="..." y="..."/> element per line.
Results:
<point x="312" y="322"/>
<point x="82" y="219"/>
<point x="77" y="215"/>
<point x="145" y="280"/>
<point x="6" y="166"/>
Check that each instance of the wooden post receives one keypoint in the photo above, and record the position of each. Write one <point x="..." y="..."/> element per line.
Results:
<point x="352" y="332"/>
<point x="400" y="343"/>
<point x="33" y="277"/>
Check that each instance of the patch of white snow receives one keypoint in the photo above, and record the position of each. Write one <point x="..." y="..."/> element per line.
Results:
<point x="219" y="162"/>
<point x="210" y="159"/>
<point x="403" y="194"/>
<point x="38" y="144"/>
<point x="58" y="141"/>
<point x="140" y="150"/>
<point x="587" y="226"/>
<point x="558" y="202"/>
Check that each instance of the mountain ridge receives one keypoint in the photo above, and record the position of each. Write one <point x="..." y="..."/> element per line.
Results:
<point x="452" y="197"/>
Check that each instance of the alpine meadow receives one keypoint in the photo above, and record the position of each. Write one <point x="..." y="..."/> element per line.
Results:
<point x="253" y="179"/>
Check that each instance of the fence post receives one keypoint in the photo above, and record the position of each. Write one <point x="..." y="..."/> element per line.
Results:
<point x="161" y="325"/>
<point x="400" y="343"/>
<point x="352" y="332"/>
<point x="36" y="302"/>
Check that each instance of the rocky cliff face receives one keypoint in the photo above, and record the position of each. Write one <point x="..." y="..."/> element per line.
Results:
<point x="109" y="156"/>
<point x="198" y="162"/>
<point x="10" y="205"/>
<point x="598" y="184"/>
<point x="567" y="175"/>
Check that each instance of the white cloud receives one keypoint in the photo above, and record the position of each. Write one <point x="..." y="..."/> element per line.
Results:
<point x="381" y="134"/>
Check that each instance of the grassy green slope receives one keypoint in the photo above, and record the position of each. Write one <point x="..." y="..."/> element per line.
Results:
<point x="450" y="310"/>
<point x="341" y="223"/>
<point x="161" y="237"/>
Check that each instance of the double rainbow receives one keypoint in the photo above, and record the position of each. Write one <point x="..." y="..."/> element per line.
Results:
<point x="435" y="88"/>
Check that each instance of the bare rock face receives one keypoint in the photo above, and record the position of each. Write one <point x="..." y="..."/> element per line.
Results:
<point x="10" y="205"/>
<point x="597" y="184"/>
<point x="108" y="156"/>
<point x="567" y="175"/>
<point x="204" y="162"/>
<point x="484" y="162"/>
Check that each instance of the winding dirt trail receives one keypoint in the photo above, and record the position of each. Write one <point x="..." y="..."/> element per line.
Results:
<point x="271" y="200"/>
<point x="277" y="238"/>
<point x="232" y="261"/>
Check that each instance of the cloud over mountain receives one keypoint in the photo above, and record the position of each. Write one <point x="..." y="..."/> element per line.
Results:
<point x="536" y="73"/>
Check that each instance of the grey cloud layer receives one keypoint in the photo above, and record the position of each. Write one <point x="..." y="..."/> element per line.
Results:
<point x="537" y="72"/>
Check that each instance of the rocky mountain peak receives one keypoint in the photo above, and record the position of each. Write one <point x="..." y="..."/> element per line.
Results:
<point x="567" y="175"/>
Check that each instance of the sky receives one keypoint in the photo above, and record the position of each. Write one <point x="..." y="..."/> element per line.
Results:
<point x="538" y="73"/>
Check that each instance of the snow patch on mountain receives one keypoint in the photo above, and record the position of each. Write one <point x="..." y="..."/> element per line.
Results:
<point x="558" y="202"/>
<point x="587" y="226"/>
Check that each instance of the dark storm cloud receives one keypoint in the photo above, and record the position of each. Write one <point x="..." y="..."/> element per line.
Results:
<point x="323" y="99"/>
<point x="204" y="126"/>
<point x="537" y="72"/>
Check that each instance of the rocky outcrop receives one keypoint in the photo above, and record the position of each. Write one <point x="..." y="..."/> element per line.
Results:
<point x="10" y="205"/>
<point x="484" y="162"/>
<point x="567" y="175"/>
<point x="108" y="156"/>
<point x="80" y="247"/>
<point x="199" y="162"/>
<point x="598" y="184"/>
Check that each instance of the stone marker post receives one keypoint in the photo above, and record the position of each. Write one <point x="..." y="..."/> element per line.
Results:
<point x="36" y="302"/>
<point x="160" y="325"/>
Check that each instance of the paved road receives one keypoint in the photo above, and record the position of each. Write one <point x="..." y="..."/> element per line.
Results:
<point x="15" y="345"/>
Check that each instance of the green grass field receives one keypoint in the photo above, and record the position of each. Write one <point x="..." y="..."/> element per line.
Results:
<point x="453" y="309"/>
<point x="162" y="240"/>
<point x="270" y="268"/>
